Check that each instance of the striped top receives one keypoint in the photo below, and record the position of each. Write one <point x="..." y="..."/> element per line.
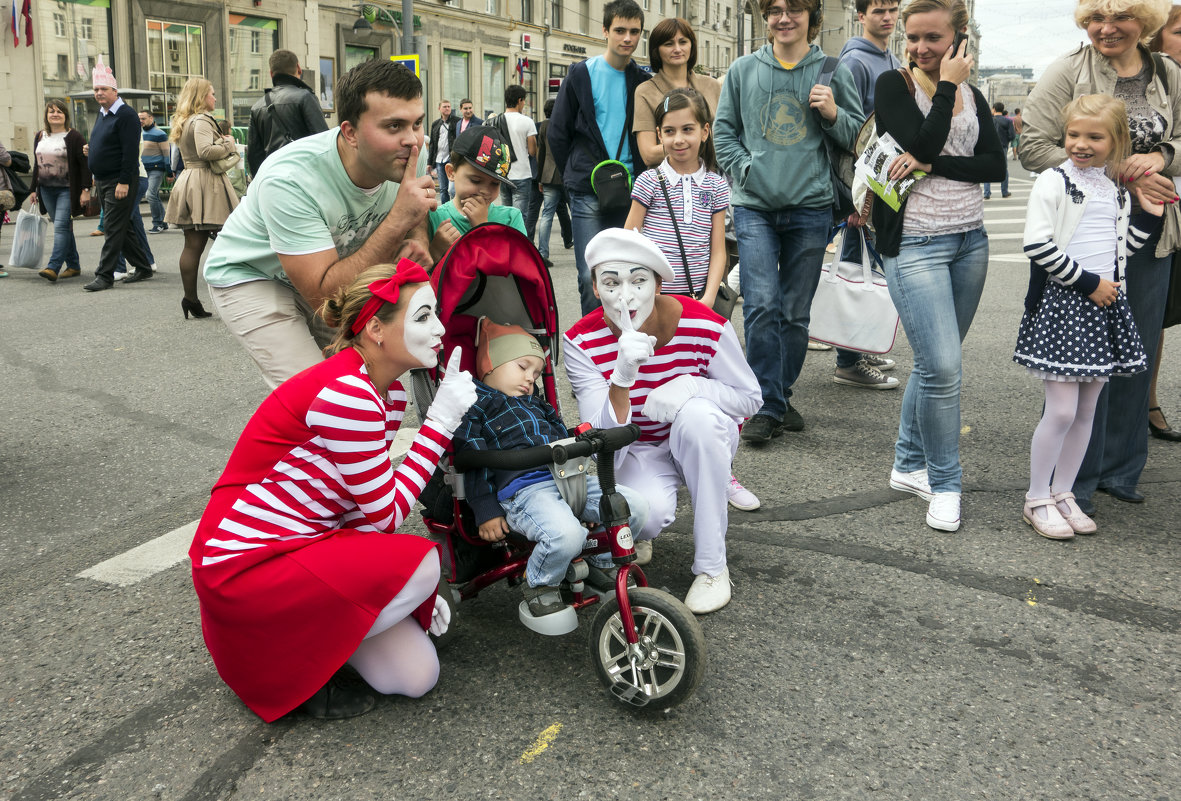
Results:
<point x="704" y="345"/>
<point x="695" y="198"/>
<point x="315" y="458"/>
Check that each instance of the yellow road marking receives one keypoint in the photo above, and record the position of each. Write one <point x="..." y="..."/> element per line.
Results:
<point x="543" y="741"/>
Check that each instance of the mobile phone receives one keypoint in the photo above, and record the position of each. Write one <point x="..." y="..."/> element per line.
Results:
<point x="960" y="38"/>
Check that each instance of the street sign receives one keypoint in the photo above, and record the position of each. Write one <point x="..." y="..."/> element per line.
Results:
<point x="409" y="62"/>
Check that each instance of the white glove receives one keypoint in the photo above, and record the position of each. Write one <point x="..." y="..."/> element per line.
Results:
<point x="634" y="349"/>
<point x="666" y="400"/>
<point x="457" y="392"/>
<point x="441" y="616"/>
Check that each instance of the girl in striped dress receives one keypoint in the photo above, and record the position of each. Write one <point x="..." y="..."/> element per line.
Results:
<point x="1077" y="331"/>
<point x="295" y="561"/>
<point x="681" y="206"/>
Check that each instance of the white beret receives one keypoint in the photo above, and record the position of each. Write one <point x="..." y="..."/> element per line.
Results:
<point x="624" y="248"/>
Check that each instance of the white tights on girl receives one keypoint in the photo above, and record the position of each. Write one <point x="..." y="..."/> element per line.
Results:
<point x="1061" y="437"/>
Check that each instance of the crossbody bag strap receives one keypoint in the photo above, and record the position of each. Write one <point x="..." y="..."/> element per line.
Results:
<point x="622" y="138"/>
<point x="677" y="230"/>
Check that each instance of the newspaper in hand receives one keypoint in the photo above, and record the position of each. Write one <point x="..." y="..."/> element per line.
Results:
<point x="873" y="167"/>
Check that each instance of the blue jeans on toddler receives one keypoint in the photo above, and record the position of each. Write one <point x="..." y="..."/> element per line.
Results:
<point x="539" y="513"/>
<point x="65" y="247"/>
<point x="935" y="283"/>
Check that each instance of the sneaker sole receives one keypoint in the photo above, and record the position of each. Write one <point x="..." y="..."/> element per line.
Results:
<point x="913" y="490"/>
<point x="744" y="508"/>
<point x="851" y="383"/>
<point x="942" y="525"/>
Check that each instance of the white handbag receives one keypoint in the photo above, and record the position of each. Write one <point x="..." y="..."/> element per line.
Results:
<point x="28" y="240"/>
<point x="852" y="308"/>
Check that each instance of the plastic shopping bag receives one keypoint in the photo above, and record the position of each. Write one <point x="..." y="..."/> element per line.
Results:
<point x="28" y="240"/>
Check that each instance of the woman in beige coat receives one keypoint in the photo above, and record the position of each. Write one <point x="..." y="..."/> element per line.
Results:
<point x="201" y="200"/>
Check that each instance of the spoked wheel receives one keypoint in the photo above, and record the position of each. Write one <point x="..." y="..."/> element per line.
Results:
<point x="665" y="666"/>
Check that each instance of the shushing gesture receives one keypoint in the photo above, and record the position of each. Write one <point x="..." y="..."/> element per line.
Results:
<point x="635" y="348"/>
<point x="457" y="393"/>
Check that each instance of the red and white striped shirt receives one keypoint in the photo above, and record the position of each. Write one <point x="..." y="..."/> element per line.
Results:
<point x="315" y="458"/>
<point x="704" y="345"/>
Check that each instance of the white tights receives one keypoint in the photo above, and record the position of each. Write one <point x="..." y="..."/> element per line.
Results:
<point x="397" y="657"/>
<point x="1060" y="439"/>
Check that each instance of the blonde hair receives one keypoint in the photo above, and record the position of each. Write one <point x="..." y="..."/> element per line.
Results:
<point x="340" y="310"/>
<point x="955" y="9"/>
<point x="1113" y="114"/>
<point x="1151" y="14"/>
<point x="1157" y="45"/>
<point x="189" y="103"/>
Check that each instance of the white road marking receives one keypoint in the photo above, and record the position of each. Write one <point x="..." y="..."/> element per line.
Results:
<point x="169" y="550"/>
<point x="144" y="560"/>
<point x="1016" y="258"/>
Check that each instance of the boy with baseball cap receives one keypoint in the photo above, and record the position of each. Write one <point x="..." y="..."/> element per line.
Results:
<point x="507" y="415"/>
<point x="479" y="166"/>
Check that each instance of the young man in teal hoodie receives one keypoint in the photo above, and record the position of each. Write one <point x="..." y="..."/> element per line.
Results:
<point x="769" y="134"/>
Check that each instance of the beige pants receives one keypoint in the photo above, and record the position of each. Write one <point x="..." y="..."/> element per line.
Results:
<point x="280" y="331"/>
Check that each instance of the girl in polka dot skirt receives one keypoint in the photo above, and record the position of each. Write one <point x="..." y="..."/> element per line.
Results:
<point x="1077" y="330"/>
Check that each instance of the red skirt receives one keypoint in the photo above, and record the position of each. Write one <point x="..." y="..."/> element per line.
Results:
<point x="278" y="628"/>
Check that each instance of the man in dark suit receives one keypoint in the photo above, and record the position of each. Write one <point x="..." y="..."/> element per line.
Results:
<point x="114" y="162"/>
<point x="442" y="135"/>
<point x="1006" y="133"/>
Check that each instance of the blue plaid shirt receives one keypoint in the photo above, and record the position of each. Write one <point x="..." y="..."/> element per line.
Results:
<point x="498" y="422"/>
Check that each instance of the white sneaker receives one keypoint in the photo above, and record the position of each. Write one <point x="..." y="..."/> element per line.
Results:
<point x="154" y="267"/>
<point x="709" y="593"/>
<point x="119" y="276"/>
<point x="740" y="497"/>
<point x="814" y="345"/>
<point x="943" y="512"/>
<point x="915" y="483"/>
<point x="643" y="552"/>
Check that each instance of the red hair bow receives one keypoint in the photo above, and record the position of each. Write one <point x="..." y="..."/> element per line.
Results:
<point x="388" y="289"/>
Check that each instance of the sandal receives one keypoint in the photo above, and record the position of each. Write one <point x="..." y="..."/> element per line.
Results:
<point x="1075" y="517"/>
<point x="1054" y="527"/>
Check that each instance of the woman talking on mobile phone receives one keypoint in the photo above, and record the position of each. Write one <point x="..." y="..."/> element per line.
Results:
<point x="934" y="247"/>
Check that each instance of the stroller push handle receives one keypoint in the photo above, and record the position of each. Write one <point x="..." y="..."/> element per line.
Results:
<point x="596" y="440"/>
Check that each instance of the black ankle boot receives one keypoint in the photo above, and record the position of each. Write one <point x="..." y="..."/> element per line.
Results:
<point x="339" y="699"/>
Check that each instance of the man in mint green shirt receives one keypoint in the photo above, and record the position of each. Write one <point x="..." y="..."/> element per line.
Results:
<point x="478" y="167"/>
<point x="319" y="211"/>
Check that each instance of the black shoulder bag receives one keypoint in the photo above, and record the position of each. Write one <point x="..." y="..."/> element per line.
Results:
<point x="611" y="181"/>
<point x="726" y="298"/>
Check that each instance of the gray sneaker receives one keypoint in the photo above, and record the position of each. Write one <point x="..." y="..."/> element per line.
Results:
<point x="865" y="376"/>
<point x="880" y="362"/>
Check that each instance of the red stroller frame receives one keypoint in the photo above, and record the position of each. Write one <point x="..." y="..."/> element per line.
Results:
<point x="647" y="648"/>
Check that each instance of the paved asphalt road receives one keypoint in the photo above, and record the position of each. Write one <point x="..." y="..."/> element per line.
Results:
<point x="864" y="655"/>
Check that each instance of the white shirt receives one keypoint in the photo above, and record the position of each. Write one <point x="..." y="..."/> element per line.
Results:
<point x="520" y="128"/>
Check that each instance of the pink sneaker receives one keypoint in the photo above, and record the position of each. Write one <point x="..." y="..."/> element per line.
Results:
<point x="740" y="497"/>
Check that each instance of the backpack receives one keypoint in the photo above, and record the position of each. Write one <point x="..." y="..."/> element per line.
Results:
<point x="500" y="123"/>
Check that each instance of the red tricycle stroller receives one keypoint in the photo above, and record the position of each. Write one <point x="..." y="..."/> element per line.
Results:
<point x="647" y="648"/>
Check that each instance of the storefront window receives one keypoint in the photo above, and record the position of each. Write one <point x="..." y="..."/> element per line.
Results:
<point x="73" y="36"/>
<point x="493" y="84"/>
<point x="357" y="54"/>
<point x="455" y="76"/>
<point x="252" y="40"/>
<point x="175" y="54"/>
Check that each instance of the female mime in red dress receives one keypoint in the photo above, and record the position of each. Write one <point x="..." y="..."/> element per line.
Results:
<point x="295" y="560"/>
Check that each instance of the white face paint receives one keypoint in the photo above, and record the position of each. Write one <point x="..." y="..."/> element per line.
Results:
<point x="626" y="290"/>
<point x="422" y="329"/>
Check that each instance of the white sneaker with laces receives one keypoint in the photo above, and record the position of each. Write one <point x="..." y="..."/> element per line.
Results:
<point x="643" y="552"/>
<point x="915" y="483"/>
<point x="943" y="512"/>
<point x="740" y="497"/>
<point x="709" y="593"/>
<point x="880" y="362"/>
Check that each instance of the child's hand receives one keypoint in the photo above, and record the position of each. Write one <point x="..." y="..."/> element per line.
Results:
<point x="445" y="236"/>
<point x="494" y="530"/>
<point x="474" y="209"/>
<point x="1153" y="207"/>
<point x="1106" y="293"/>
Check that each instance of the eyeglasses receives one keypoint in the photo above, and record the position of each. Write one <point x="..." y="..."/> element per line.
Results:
<point x="1099" y="19"/>
<point x="778" y="13"/>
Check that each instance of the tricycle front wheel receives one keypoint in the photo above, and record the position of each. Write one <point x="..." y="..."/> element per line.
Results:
<point x="664" y="668"/>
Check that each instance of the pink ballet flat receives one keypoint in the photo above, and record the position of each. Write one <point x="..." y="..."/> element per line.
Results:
<point x="1079" y="522"/>
<point x="1054" y="527"/>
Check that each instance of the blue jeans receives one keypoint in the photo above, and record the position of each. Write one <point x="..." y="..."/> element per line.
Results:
<point x="539" y="513"/>
<point x="935" y="283"/>
<point x="1004" y="184"/>
<point x="65" y="247"/>
<point x="553" y="202"/>
<point x="781" y="253"/>
<point x="587" y="219"/>
<point x="155" y="179"/>
<point x="444" y="184"/>
<point x="1118" y="449"/>
<point x="137" y="229"/>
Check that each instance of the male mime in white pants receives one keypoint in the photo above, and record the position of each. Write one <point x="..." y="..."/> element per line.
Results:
<point x="673" y="367"/>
